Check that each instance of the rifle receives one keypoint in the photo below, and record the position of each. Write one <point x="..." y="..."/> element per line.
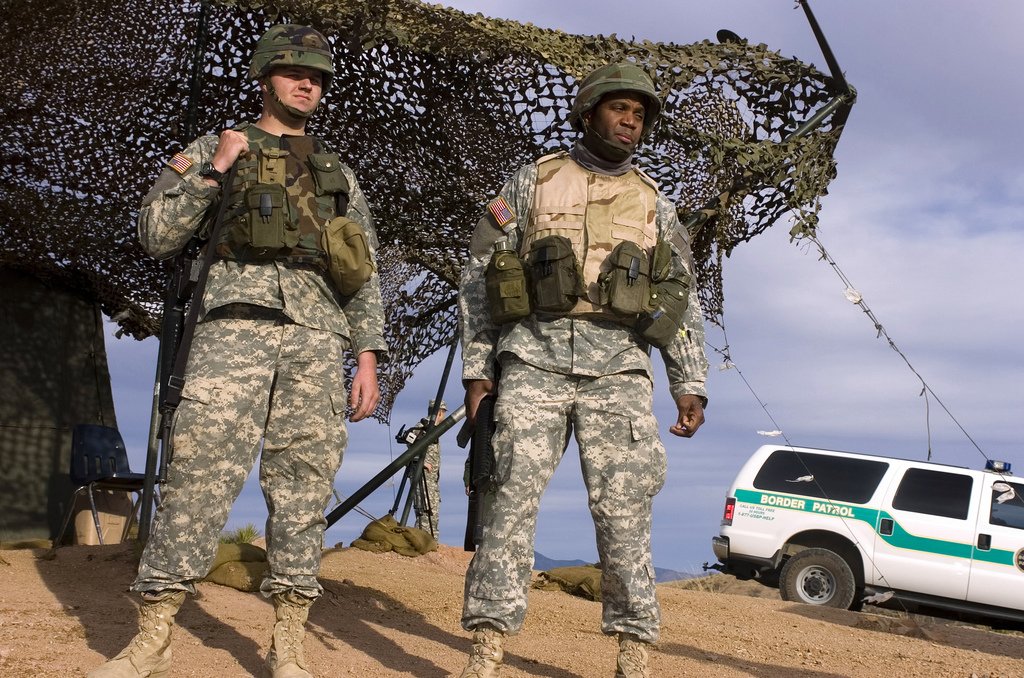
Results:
<point x="184" y="290"/>
<point x="481" y="469"/>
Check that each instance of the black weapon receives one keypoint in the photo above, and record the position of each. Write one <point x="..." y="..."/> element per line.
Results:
<point x="481" y="469"/>
<point x="411" y="460"/>
<point x="184" y="290"/>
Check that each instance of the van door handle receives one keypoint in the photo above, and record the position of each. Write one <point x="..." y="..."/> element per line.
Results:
<point x="984" y="542"/>
<point x="885" y="528"/>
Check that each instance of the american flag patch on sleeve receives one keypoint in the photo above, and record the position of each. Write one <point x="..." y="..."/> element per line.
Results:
<point x="501" y="212"/>
<point x="180" y="163"/>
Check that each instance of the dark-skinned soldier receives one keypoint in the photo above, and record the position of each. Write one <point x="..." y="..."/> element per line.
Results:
<point x="576" y="270"/>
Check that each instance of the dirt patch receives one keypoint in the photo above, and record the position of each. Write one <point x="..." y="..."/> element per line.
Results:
<point x="388" y="615"/>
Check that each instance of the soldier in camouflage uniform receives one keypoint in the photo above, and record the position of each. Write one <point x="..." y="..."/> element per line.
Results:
<point x="585" y="370"/>
<point x="265" y="375"/>
<point x="428" y="506"/>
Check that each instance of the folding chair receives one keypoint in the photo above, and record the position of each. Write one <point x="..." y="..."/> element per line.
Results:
<point x="99" y="461"/>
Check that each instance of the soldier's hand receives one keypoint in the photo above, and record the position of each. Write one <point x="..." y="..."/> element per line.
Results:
<point x="476" y="389"/>
<point x="691" y="416"/>
<point x="365" y="390"/>
<point x="231" y="145"/>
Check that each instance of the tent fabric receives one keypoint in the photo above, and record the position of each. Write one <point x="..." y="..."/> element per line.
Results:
<point x="432" y="107"/>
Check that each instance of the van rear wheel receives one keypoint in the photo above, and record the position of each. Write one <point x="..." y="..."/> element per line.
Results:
<point x="817" y="577"/>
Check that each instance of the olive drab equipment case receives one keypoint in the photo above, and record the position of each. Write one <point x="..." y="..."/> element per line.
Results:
<point x="348" y="254"/>
<point x="507" y="287"/>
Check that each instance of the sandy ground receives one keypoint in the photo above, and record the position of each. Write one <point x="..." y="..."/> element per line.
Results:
<point x="388" y="615"/>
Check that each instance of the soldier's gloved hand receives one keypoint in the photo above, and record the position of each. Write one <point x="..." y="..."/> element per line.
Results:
<point x="691" y="416"/>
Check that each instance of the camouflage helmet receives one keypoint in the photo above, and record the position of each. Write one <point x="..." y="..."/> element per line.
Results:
<point x="292" y="45"/>
<point x="620" y="77"/>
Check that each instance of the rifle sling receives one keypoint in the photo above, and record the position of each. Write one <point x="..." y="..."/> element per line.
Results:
<point x="176" y="380"/>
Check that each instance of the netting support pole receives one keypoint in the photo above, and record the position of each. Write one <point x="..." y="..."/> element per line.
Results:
<point x="840" y="105"/>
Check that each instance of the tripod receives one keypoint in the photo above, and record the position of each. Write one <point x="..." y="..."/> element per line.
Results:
<point x="411" y="460"/>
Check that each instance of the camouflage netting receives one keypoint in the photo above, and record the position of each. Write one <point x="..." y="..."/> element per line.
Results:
<point x="433" y="108"/>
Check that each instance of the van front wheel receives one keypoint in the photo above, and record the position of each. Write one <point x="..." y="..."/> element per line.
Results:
<point x="817" y="577"/>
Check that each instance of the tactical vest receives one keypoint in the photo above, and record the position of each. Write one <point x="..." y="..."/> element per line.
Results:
<point x="595" y="212"/>
<point x="281" y="198"/>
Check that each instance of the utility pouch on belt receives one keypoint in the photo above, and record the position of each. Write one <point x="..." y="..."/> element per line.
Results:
<point x="669" y="300"/>
<point x="505" y="280"/>
<point x="626" y="287"/>
<point x="348" y="254"/>
<point x="555" y="274"/>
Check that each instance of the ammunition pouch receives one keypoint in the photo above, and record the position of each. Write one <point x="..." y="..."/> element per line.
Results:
<point x="263" y="229"/>
<point x="668" y="302"/>
<point x="555" y="275"/>
<point x="348" y="254"/>
<point x="626" y="286"/>
<point x="507" y="291"/>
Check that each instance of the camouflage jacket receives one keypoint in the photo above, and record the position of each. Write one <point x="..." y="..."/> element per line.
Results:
<point x="178" y="204"/>
<point x="572" y="345"/>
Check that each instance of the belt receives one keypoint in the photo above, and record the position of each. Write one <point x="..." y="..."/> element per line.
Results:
<point x="248" y="312"/>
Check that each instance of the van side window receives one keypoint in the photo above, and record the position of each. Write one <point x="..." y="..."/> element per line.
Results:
<point x="1009" y="511"/>
<point x="935" y="493"/>
<point x="820" y="475"/>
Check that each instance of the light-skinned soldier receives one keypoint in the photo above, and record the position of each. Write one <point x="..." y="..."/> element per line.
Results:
<point x="265" y="375"/>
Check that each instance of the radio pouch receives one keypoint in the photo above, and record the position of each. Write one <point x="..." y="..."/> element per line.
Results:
<point x="348" y="254"/>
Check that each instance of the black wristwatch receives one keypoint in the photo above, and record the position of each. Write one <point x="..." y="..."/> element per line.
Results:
<point x="208" y="171"/>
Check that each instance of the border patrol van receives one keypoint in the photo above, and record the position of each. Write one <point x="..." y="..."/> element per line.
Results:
<point x="830" y="528"/>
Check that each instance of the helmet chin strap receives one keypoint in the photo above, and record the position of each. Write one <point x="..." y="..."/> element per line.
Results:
<point x="297" y="115"/>
<point x="601" y="147"/>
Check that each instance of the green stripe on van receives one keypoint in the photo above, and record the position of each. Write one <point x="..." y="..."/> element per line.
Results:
<point x="902" y="539"/>
<point x="899" y="538"/>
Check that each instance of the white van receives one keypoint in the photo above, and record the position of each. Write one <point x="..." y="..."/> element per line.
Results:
<point x="830" y="528"/>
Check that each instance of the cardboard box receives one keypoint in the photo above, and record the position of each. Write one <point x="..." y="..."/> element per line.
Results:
<point x="113" y="509"/>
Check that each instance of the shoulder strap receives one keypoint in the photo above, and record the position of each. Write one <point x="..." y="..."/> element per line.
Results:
<point x="176" y="380"/>
<point x="551" y="156"/>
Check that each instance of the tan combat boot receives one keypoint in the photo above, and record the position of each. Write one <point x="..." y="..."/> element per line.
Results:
<point x="285" y="659"/>
<point x="149" y="653"/>
<point x="485" y="659"/>
<point x="633" y="655"/>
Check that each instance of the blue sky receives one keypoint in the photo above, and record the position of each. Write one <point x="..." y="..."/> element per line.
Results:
<point x="924" y="219"/>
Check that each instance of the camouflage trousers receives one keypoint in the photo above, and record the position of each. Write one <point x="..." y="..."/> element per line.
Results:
<point x="428" y="503"/>
<point x="251" y="379"/>
<point x="624" y="466"/>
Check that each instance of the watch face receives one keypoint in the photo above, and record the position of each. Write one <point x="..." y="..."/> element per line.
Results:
<point x="208" y="170"/>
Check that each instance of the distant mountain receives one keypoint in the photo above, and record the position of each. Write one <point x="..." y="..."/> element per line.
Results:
<point x="663" y="575"/>
<point x="542" y="562"/>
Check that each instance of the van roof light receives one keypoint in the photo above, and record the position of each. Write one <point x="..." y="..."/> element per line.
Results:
<point x="997" y="466"/>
